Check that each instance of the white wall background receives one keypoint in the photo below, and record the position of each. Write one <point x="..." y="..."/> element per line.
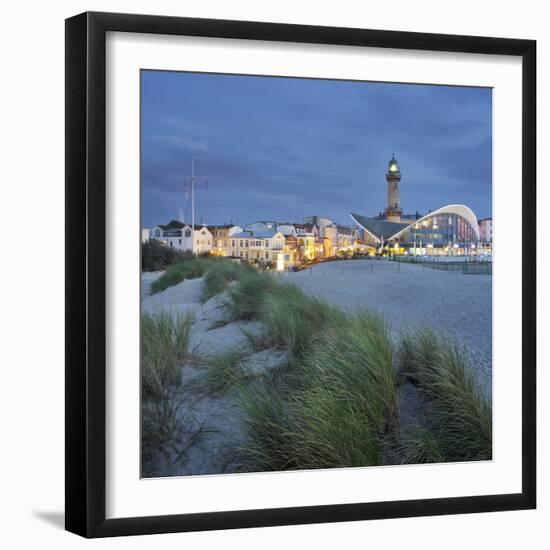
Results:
<point x="32" y="307"/>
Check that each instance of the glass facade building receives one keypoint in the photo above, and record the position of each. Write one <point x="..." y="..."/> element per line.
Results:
<point x="451" y="231"/>
<point x="447" y="233"/>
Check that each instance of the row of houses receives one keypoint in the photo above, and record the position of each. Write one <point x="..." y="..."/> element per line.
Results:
<point x="268" y="243"/>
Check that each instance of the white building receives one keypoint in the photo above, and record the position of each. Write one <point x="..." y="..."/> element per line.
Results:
<point x="265" y="226"/>
<point x="180" y="236"/>
<point x="486" y="230"/>
<point x="145" y="235"/>
<point x="262" y="247"/>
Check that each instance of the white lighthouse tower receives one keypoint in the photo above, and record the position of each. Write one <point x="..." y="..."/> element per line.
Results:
<point x="393" y="211"/>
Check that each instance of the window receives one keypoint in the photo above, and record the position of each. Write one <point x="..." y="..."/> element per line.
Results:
<point x="233" y="244"/>
<point x="179" y="241"/>
<point x="188" y="233"/>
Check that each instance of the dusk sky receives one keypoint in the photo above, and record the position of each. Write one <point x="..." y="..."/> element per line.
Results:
<point x="283" y="148"/>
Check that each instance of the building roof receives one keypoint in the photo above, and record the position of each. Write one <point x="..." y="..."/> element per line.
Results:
<point x="173" y="224"/>
<point x="265" y="234"/>
<point x="255" y="234"/>
<point x="384" y="230"/>
<point x="379" y="229"/>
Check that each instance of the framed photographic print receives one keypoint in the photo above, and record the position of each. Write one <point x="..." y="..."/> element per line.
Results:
<point x="300" y="274"/>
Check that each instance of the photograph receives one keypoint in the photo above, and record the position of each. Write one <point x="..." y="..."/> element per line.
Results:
<point x="316" y="273"/>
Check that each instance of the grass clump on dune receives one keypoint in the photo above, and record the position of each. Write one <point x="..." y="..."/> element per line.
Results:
<point x="269" y="425"/>
<point x="246" y="299"/>
<point x="418" y="445"/>
<point x="462" y="423"/>
<point x="191" y="268"/>
<point x="336" y="405"/>
<point x="349" y="407"/>
<point x="165" y="340"/>
<point x="220" y="275"/>
<point x="225" y="370"/>
<point x="294" y="321"/>
<point x="165" y="344"/>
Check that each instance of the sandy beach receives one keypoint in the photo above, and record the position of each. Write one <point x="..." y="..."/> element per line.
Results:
<point x="408" y="296"/>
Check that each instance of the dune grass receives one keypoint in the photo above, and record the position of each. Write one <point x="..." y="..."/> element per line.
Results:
<point x="462" y="423"/>
<point x="294" y="321"/>
<point x="291" y="319"/>
<point x="418" y="444"/>
<point x="190" y="268"/>
<point x="165" y="344"/>
<point x="165" y="340"/>
<point x="220" y="274"/>
<point x="246" y="299"/>
<point x="224" y="370"/>
<point x="336" y="403"/>
<point x="269" y="425"/>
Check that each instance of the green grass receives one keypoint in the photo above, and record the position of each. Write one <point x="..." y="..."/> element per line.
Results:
<point x="336" y="403"/>
<point x="225" y="370"/>
<point x="294" y="321"/>
<point x="165" y="344"/>
<point x="245" y="300"/>
<point x="165" y="341"/>
<point x="191" y="268"/>
<point x="349" y="407"/>
<point x="269" y="425"/>
<point x="419" y="445"/>
<point x="462" y="423"/>
<point x="220" y="274"/>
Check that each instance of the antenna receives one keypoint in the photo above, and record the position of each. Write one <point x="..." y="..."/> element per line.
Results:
<point x="193" y="205"/>
<point x="196" y="182"/>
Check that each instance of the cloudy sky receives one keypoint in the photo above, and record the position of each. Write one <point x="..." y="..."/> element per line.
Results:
<point x="284" y="148"/>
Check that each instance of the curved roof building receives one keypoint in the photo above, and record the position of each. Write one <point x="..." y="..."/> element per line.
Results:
<point x="451" y="229"/>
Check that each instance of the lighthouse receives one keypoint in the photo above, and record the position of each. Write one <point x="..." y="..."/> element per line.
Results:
<point x="393" y="211"/>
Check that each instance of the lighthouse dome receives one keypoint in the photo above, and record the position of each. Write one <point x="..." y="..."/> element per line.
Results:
<point x="393" y="166"/>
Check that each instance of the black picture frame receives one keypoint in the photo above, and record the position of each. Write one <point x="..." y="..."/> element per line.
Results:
<point x="86" y="279"/>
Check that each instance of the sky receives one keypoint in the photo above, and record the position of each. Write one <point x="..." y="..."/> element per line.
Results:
<point x="273" y="148"/>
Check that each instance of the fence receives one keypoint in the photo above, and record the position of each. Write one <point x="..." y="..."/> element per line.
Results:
<point x="468" y="266"/>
